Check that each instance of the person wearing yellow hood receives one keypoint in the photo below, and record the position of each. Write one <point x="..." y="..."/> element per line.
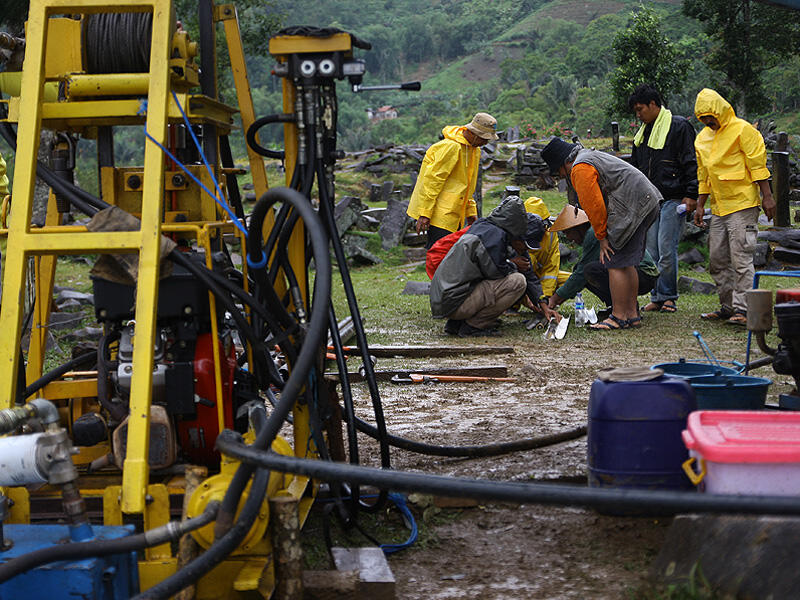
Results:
<point x="442" y="197"/>
<point x="546" y="261"/>
<point x="731" y="170"/>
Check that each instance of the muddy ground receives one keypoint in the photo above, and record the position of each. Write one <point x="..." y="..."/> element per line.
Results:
<point x="495" y="551"/>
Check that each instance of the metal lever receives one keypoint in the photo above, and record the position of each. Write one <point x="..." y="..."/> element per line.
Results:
<point x="412" y="86"/>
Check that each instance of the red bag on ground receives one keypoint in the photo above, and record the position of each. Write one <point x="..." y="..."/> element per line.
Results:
<point x="439" y="250"/>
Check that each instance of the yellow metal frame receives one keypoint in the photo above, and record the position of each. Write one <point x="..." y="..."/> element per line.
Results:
<point x="33" y="109"/>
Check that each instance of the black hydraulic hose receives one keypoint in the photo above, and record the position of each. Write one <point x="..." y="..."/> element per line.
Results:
<point x="347" y="400"/>
<point x="230" y="444"/>
<point x="260" y="354"/>
<point x="51" y="376"/>
<point x="481" y="451"/>
<point x="83" y="200"/>
<point x="75" y="551"/>
<point x="219" y="550"/>
<point x="315" y="338"/>
<point x="258" y="124"/>
<point x="326" y="209"/>
<point x="117" y="411"/>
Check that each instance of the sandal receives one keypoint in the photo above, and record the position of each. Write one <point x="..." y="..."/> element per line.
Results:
<point x="612" y="323"/>
<point x="738" y="318"/>
<point x="669" y="307"/>
<point x="653" y="306"/>
<point x="722" y="314"/>
<point x="635" y="323"/>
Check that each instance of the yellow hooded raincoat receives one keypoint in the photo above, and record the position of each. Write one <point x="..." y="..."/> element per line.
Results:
<point x="546" y="261"/>
<point x="446" y="181"/>
<point x="729" y="160"/>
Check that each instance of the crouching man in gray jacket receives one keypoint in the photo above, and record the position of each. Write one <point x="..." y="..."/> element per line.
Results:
<point x="487" y="270"/>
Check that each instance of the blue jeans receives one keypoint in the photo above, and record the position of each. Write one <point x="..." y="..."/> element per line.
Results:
<point x="662" y="244"/>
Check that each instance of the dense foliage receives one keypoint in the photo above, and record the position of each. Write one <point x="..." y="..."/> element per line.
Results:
<point x="749" y="38"/>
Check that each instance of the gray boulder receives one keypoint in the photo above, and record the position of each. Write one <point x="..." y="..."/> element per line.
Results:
<point x="695" y="286"/>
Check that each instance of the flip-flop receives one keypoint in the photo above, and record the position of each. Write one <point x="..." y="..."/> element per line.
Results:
<point x="612" y="323"/>
<point x="668" y="308"/>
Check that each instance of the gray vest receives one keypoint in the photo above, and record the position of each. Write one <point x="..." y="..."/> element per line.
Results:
<point x="630" y="197"/>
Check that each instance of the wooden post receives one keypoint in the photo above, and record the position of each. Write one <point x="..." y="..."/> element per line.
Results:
<point x="780" y="185"/>
<point x="188" y="549"/>
<point x="783" y="142"/>
<point x="615" y="136"/>
<point x="285" y="526"/>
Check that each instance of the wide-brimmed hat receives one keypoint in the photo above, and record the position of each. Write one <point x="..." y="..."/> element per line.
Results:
<point x="534" y="232"/>
<point x="571" y="216"/>
<point x="555" y="154"/>
<point x="484" y="126"/>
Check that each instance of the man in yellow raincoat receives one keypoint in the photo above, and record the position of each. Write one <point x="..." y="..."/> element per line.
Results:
<point x="546" y="261"/>
<point x="731" y="170"/>
<point x="442" y="197"/>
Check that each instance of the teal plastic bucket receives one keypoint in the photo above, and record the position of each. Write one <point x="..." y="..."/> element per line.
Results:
<point x="730" y="392"/>
<point x="686" y="369"/>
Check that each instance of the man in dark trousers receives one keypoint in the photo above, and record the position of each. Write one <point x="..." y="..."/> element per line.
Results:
<point x="663" y="149"/>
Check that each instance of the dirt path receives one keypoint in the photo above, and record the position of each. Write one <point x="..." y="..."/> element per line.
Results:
<point x="508" y="552"/>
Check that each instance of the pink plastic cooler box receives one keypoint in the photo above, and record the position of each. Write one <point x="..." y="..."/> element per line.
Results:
<point x="744" y="452"/>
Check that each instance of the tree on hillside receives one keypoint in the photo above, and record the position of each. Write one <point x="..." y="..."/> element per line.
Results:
<point x="749" y="38"/>
<point x="643" y="54"/>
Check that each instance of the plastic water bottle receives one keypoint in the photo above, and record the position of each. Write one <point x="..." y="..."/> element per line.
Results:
<point x="580" y="310"/>
<point x="681" y="209"/>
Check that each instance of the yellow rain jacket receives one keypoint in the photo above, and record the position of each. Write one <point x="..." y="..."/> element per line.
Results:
<point x="546" y="261"/>
<point x="446" y="181"/>
<point x="729" y="160"/>
<point x="3" y="178"/>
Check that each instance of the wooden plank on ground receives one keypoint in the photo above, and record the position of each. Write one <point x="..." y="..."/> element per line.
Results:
<point x="431" y="351"/>
<point x="387" y="374"/>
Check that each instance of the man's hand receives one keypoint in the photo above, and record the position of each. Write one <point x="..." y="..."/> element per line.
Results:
<point x="522" y="263"/>
<point x="699" y="212"/>
<point x="470" y="220"/>
<point x="690" y="203"/>
<point x="606" y="251"/>
<point x="549" y="313"/>
<point x="555" y="301"/>
<point x="422" y="224"/>
<point x="767" y="201"/>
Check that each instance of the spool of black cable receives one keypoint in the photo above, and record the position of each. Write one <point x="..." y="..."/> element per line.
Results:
<point x="118" y="42"/>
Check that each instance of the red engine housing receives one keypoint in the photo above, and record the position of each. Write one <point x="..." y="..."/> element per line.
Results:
<point x="197" y="436"/>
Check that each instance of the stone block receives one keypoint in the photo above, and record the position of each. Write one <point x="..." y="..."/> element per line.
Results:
<point x="387" y="187"/>
<point x="347" y="212"/>
<point x="761" y="254"/>
<point x="64" y="320"/>
<point x="417" y="288"/>
<point x="692" y="256"/>
<point x="695" y="286"/>
<point x="80" y="297"/>
<point x="394" y="224"/>
<point x="415" y="254"/>
<point x="787" y="255"/>
<point x="739" y="556"/>
<point x="375" y="578"/>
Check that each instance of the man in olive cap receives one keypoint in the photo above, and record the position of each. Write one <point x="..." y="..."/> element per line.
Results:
<point x="442" y="197"/>
<point x="621" y="204"/>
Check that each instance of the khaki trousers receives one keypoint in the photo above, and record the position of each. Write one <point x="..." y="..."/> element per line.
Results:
<point x="731" y="242"/>
<point x="489" y="299"/>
